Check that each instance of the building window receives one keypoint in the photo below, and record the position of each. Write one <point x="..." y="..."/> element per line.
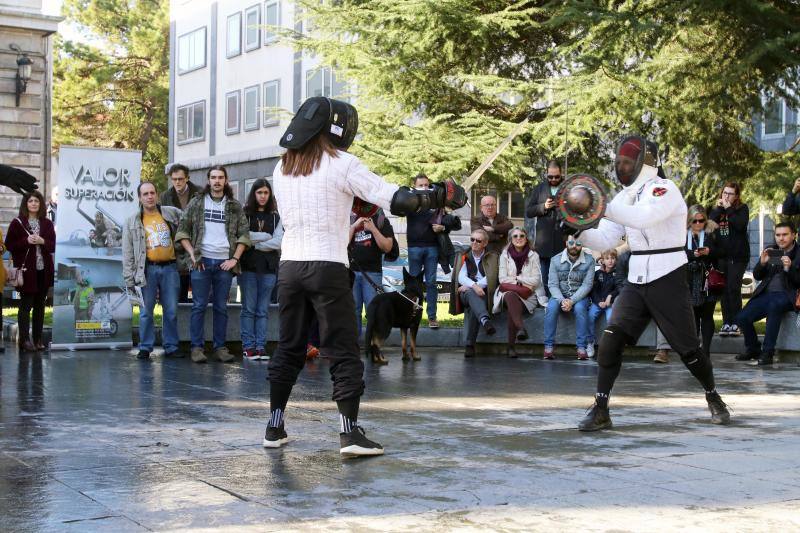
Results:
<point x="323" y="82"/>
<point x="272" y="20"/>
<point x="192" y="51"/>
<point x="252" y="24"/>
<point x="510" y="204"/>
<point x="774" y="111"/>
<point x="251" y="105"/>
<point x="232" y="110"/>
<point x="234" y="44"/>
<point x="272" y="101"/>
<point x="191" y="124"/>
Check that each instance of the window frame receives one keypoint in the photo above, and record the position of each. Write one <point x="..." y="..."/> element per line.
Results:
<point x="271" y="37"/>
<point x="228" y="53"/>
<point x="182" y="71"/>
<point x="190" y="122"/>
<point x="276" y="120"/>
<point x="254" y="8"/>
<point x="257" y="123"/>
<point x="776" y="135"/>
<point x="231" y="130"/>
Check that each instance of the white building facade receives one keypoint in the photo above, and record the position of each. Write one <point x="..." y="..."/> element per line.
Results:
<point x="234" y="87"/>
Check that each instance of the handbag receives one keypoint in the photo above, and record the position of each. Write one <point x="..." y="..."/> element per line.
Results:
<point x="716" y="280"/>
<point x="521" y="290"/>
<point x="15" y="276"/>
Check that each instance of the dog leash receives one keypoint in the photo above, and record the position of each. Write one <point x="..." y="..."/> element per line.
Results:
<point x="380" y="290"/>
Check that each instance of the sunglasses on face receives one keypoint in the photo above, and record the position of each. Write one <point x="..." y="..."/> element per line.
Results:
<point x="518" y="236"/>
<point x="701" y="221"/>
<point x="551" y="177"/>
<point x="473" y="239"/>
<point x="574" y="243"/>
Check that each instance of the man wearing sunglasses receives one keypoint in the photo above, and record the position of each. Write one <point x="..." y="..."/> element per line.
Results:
<point x="650" y="212"/>
<point x="474" y="281"/>
<point x="541" y="204"/>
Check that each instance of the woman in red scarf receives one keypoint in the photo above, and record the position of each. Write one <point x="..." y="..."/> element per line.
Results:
<point x="520" y="287"/>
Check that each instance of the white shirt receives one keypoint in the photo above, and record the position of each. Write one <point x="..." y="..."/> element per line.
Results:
<point x="651" y="212"/>
<point x="215" y="243"/>
<point x="480" y="279"/>
<point x="315" y="209"/>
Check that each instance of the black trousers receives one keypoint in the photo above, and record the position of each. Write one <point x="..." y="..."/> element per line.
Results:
<point x="36" y="302"/>
<point x="704" y="324"/>
<point x="732" y="294"/>
<point x="321" y="288"/>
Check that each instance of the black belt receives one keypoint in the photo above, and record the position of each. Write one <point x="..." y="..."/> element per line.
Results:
<point x="656" y="252"/>
<point x="159" y="263"/>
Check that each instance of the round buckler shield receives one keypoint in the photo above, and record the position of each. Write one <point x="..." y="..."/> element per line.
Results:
<point x="581" y="201"/>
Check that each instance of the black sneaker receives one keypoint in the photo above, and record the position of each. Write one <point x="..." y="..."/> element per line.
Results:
<point x="489" y="327"/>
<point x="719" y="411"/>
<point x="469" y="351"/>
<point x="175" y="354"/>
<point x="356" y="444"/>
<point x="596" y="419"/>
<point x="275" y="437"/>
<point x="143" y="354"/>
<point x="766" y="359"/>
<point x="748" y="355"/>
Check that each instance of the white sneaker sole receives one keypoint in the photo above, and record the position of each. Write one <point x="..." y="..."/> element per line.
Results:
<point x="358" y="451"/>
<point x="275" y="443"/>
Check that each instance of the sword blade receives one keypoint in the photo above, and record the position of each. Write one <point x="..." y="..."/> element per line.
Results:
<point x="473" y="178"/>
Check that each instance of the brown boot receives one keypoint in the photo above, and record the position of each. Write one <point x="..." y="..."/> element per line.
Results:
<point x="662" y="356"/>
<point x="198" y="356"/>
<point x="223" y="355"/>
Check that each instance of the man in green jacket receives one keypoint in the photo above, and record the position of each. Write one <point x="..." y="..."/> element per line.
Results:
<point x="215" y="233"/>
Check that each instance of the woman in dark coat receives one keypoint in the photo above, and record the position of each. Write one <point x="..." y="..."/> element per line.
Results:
<point x="703" y="251"/>
<point x="31" y="239"/>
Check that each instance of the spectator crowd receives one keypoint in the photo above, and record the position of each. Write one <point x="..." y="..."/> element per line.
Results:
<point x="199" y="239"/>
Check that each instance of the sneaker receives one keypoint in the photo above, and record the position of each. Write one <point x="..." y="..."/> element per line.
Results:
<point x="596" y="419"/>
<point x="262" y="355"/>
<point x="590" y="350"/>
<point x="725" y="330"/>
<point x="734" y="331"/>
<point x="662" y="356"/>
<point x="198" y="355"/>
<point x="143" y="354"/>
<point x="249" y="354"/>
<point x="582" y="355"/>
<point x="748" y="355"/>
<point x="174" y="354"/>
<point x="489" y="328"/>
<point x="766" y="359"/>
<point x="549" y="353"/>
<point x="356" y="444"/>
<point x="312" y="352"/>
<point x="511" y="352"/>
<point x="719" y="411"/>
<point x="223" y="354"/>
<point x="433" y="323"/>
<point x="275" y="437"/>
<point x="522" y="335"/>
<point x="469" y="351"/>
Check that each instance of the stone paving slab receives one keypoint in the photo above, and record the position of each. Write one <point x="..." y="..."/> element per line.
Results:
<point x="98" y="441"/>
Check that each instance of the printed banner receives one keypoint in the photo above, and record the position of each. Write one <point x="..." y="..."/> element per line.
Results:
<point x="97" y="192"/>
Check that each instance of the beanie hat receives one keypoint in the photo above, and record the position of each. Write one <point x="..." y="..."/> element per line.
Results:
<point x="631" y="148"/>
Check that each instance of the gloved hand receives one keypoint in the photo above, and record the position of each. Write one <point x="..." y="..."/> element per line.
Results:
<point x="449" y="194"/>
<point x="16" y="179"/>
<point x="445" y="194"/>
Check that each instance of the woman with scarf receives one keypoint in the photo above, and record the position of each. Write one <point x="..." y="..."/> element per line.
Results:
<point x="702" y="251"/>
<point x="520" y="285"/>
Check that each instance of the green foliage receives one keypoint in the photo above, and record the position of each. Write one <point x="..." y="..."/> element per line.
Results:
<point x="113" y="90"/>
<point x="445" y="80"/>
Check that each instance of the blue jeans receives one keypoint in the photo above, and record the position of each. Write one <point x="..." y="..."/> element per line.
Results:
<point x="772" y="305"/>
<point x="364" y="292"/>
<point x="425" y="259"/>
<point x="164" y="282"/>
<point x="594" y="312"/>
<point x="203" y="281"/>
<point x="581" y="311"/>
<point x="256" y="292"/>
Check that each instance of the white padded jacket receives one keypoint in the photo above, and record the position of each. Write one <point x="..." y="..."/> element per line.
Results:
<point x="315" y="209"/>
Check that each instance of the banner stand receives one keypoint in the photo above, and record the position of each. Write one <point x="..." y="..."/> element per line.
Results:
<point x="97" y="189"/>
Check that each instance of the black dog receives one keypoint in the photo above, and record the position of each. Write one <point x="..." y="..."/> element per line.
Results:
<point x="395" y="310"/>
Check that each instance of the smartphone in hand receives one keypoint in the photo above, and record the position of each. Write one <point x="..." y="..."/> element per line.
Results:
<point x="775" y="255"/>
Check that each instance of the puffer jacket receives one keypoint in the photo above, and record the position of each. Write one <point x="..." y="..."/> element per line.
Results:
<point x="134" y="247"/>
<point x="192" y="227"/>
<point x="531" y="277"/>
<point x="571" y="280"/>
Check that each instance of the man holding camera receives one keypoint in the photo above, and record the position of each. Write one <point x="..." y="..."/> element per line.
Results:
<point x="542" y="205"/>
<point x="778" y="271"/>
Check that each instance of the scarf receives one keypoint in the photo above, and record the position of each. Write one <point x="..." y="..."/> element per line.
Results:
<point x="519" y="257"/>
<point x="700" y="239"/>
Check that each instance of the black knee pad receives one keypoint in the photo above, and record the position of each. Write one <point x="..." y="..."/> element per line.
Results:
<point x="693" y="358"/>
<point x="612" y="343"/>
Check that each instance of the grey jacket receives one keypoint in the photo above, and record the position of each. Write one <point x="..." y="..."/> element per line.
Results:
<point x="571" y="280"/>
<point x="134" y="248"/>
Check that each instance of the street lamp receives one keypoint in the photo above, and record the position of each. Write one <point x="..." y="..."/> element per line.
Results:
<point x="24" y="67"/>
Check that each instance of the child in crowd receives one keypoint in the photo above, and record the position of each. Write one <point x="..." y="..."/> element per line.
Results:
<point x="607" y="284"/>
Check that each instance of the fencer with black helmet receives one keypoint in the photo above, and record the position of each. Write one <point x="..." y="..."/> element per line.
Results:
<point x="337" y="119"/>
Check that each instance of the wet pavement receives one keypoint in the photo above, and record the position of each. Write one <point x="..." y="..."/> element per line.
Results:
<point x="100" y="441"/>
